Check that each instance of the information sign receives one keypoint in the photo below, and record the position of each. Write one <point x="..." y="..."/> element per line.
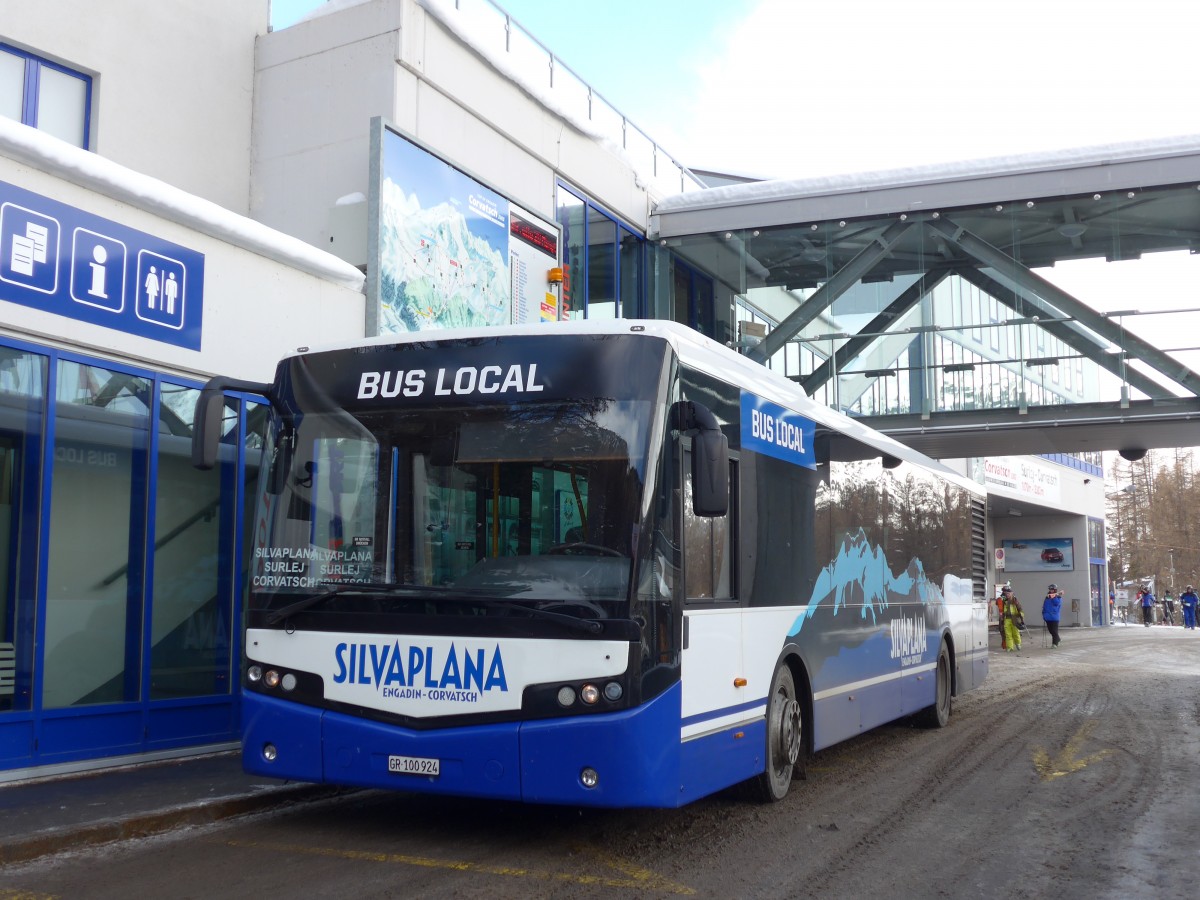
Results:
<point x="72" y="263"/>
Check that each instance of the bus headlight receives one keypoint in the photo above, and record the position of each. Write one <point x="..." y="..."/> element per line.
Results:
<point x="271" y="678"/>
<point x="613" y="691"/>
<point x="566" y="695"/>
<point x="288" y="683"/>
<point x="269" y="752"/>
<point x="254" y="674"/>
<point x="590" y="694"/>
<point x="590" y="777"/>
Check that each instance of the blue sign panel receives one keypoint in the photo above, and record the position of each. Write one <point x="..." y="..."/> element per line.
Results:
<point x="777" y="432"/>
<point x="71" y="263"/>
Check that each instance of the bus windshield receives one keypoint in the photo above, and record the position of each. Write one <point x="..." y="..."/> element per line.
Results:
<point x="524" y="503"/>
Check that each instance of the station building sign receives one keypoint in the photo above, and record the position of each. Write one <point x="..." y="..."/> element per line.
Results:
<point x="65" y="261"/>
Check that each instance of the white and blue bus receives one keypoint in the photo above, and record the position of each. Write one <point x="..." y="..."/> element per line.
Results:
<point x="596" y="563"/>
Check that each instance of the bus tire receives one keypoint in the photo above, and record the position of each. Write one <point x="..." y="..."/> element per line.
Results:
<point x="785" y="739"/>
<point x="938" y="714"/>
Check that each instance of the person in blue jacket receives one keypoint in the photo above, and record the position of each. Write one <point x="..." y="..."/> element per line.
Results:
<point x="1052" y="613"/>
<point x="1190" y="601"/>
<point x="1147" y="602"/>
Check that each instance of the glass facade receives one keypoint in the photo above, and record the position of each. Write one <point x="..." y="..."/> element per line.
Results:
<point x="604" y="261"/>
<point x="120" y="561"/>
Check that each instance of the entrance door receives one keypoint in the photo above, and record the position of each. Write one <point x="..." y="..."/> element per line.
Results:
<point x="119" y="563"/>
<point x="22" y="417"/>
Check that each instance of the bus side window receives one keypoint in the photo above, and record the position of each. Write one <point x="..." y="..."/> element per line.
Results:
<point x="708" y="543"/>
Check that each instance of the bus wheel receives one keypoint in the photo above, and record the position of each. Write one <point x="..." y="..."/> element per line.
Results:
<point x="785" y="738"/>
<point x="938" y="715"/>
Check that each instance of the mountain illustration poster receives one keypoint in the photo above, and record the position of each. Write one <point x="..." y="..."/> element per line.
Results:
<point x="446" y="248"/>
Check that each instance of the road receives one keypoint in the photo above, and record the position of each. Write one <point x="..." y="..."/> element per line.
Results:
<point x="1070" y="774"/>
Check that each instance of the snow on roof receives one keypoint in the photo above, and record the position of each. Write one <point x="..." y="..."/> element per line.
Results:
<point x="783" y="189"/>
<point x="55" y="157"/>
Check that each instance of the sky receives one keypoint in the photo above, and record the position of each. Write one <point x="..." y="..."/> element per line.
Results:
<point x="800" y="88"/>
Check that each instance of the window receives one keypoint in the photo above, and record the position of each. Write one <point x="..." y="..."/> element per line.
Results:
<point x="603" y="260"/>
<point x="190" y="645"/>
<point x="45" y="96"/>
<point x="96" y="550"/>
<point x="709" y="544"/>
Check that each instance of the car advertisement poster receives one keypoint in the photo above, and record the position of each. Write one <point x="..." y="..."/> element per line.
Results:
<point x="1039" y="555"/>
<point x="452" y="252"/>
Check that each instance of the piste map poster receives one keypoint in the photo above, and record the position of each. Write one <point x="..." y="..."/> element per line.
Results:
<point x="448" y="249"/>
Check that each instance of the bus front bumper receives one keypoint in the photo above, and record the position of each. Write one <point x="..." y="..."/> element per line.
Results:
<point x="634" y="754"/>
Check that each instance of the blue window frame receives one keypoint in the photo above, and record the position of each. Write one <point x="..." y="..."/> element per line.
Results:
<point x="45" y="95"/>
<point x="605" y="261"/>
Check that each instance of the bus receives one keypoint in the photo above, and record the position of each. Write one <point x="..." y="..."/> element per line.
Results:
<point x="595" y="563"/>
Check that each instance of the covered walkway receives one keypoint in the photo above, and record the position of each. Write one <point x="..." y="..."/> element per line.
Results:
<point x="1048" y="301"/>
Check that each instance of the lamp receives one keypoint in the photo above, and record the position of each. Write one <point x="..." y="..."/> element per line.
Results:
<point x="1072" y="229"/>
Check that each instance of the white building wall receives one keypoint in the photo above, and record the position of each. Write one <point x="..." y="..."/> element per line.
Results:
<point x="264" y="293"/>
<point x="172" y="82"/>
<point x="319" y="83"/>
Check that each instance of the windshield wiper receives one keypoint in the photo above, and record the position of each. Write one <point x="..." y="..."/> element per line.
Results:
<point x="592" y="626"/>
<point x="338" y="589"/>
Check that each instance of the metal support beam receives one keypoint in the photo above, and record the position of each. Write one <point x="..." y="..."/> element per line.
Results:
<point x="872" y="331"/>
<point x="1068" y="332"/>
<point x="843" y="279"/>
<point x="1021" y="279"/>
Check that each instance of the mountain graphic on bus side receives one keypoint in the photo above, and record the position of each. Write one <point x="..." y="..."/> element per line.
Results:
<point x="861" y="570"/>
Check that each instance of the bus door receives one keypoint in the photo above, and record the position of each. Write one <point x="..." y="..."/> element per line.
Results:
<point x="713" y="657"/>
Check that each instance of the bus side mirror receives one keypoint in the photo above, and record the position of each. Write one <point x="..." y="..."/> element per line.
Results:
<point x="209" y="413"/>
<point x="710" y="458"/>
<point x="710" y="473"/>
<point x="206" y="427"/>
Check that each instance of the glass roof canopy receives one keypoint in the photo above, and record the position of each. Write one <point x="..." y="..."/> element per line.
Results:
<point x="962" y="302"/>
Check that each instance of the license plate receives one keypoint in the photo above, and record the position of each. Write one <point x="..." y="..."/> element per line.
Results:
<point x="414" y="765"/>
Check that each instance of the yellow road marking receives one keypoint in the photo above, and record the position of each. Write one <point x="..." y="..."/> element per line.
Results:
<point x="18" y="894"/>
<point x="641" y="877"/>
<point x="1068" y="759"/>
<point x="634" y="877"/>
